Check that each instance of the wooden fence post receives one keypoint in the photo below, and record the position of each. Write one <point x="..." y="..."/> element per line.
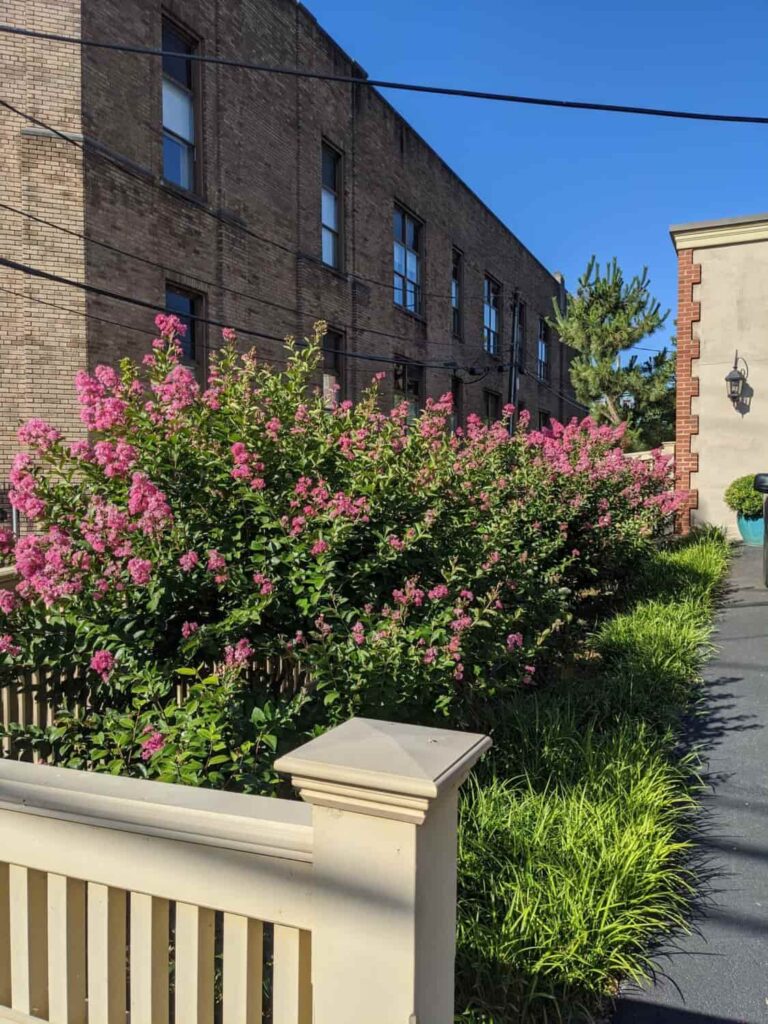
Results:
<point x="384" y="801"/>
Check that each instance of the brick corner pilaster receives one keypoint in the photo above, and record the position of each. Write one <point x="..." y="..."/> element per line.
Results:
<point x="688" y="349"/>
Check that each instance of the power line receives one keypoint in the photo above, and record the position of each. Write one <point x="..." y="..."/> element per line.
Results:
<point x="186" y="273"/>
<point x="24" y="268"/>
<point x="436" y="90"/>
<point x="123" y="164"/>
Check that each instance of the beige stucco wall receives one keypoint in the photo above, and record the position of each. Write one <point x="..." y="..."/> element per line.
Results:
<point x="734" y="315"/>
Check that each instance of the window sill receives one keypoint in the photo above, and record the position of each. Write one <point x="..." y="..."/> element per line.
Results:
<point x="183" y="193"/>
<point x="418" y="317"/>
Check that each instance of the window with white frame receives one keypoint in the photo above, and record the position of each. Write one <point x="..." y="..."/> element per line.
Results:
<point x="179" y="109"/>
<point x="407" y="233"/>
<point x="491" y="315"/>
<point x="457" y="270"/>
<point x="542" y="360"/>
<point x="330" y="203"/>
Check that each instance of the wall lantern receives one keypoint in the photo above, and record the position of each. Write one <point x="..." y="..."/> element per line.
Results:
<point x="735" y="380"/>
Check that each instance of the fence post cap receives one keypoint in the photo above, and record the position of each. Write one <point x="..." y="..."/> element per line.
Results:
<point x="385" y="769"/>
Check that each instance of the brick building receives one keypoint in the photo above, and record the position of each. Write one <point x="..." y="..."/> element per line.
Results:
<point x="258" y="200"/>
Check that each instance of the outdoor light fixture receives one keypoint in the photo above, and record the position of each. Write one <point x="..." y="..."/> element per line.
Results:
<point x="735" y="380"/>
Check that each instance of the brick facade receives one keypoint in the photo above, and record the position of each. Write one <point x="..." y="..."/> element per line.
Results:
<point x="688" y="314"/>
<point x="248" y="241"/>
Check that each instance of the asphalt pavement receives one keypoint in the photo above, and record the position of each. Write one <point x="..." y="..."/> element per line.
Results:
<point x="719" y="973"/>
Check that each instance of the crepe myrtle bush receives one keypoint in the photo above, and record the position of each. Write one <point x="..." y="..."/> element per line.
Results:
<point x="408" y="572"/>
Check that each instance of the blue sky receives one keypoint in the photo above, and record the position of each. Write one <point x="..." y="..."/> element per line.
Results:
<point x="573" y="183"/>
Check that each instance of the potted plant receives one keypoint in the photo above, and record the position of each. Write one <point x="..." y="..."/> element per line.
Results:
<point x="745" y="501"/>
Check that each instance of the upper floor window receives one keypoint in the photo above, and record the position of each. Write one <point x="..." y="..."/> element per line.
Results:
<point x="408" y="234"/>
<point x="456" y="296"/>
<point x="331" y="207"/>
<point x="491" y="315"/>
<point x="409" y="386"/>
<point x="542" y="362"/>
<point x="333" y="368"/>
<point x="521" y="335"/>
<point x="179" y="113"/>
<point x="491" y="406"/>
<point x="188" y="307"/>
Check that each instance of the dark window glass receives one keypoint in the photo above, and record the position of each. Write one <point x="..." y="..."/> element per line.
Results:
<point x="330" y="207"/>
<point x="491" y="406"/>
<point x="409" y="385"/>
<point x="521" y="335"/>
<point x="176" y="67"/>
<point x="456" y="296"/>
<point x="186" y="305"/>
<point x="544" y="418"/>
<point x="491" y="315"/>
<point x="333" y="368"/>
<point x="457" y="393"/>
<point x="407" y="235"/>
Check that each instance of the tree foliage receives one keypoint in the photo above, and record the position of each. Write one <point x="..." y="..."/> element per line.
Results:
<point x="607" y="317"/>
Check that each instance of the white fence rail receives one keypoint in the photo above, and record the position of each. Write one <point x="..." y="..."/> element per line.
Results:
<point x="130" y="901"/>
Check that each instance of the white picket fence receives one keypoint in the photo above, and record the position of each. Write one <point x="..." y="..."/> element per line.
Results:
<point x="131" y="902"/>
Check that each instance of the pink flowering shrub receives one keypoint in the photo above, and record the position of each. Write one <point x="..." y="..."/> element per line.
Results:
<point x="407" y="572"/>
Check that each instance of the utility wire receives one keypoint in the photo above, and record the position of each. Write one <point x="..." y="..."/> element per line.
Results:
<point x="179" y="273"/>
<point x="123" y="164"/>
<point x="24" y="268"/>
<point x="383" y="84"/>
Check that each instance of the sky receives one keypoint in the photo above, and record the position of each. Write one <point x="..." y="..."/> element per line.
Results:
<point x="574" y="183"/>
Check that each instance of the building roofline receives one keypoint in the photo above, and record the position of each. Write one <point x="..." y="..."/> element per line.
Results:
<point x="358" y="69"/>
<point x="704" y="234"/>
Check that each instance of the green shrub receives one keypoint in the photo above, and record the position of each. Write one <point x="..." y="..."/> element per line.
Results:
<point x="575" y="837"/>
<point x="742" y="497"/>
<point x="403" y="571"/>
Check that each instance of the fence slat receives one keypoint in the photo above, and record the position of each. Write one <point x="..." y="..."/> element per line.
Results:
<point x="66" y="950"/>
<point x="5" y="938"/>
<point x="291" y="977"/>
<point x="106" y="955"/>
<point x="29" y="941"/>
<point x="195" y="939"/>
<point x="243" y="970"/>
<point x="149" y="960"/>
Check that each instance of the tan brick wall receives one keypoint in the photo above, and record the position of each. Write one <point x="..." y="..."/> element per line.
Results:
<point x="261" y="139"/>
<point x="40" y="346"/>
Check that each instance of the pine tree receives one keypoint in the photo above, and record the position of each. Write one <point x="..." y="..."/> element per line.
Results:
<point x="605" y="318"/>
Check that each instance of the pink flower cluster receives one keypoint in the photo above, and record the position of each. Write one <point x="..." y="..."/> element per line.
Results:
<point x="247" y="466"/>
<point x="101" y="407"/>
<point x="148" y="502"/>
<point x="103" y="664"/>
<point x="116" y="458"/>
<point x="39" y="434"/>
<point x="152" y="742"/>
<point x="23" y="494"/>
<point x="238" y="655"/>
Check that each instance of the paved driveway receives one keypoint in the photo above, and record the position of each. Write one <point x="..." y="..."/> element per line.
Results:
<point x="720" y="975"/>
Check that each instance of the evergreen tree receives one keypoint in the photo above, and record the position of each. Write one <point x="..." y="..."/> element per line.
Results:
<point x="604" y="319"/>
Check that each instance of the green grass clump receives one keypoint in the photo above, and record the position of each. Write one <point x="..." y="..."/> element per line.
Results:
<point x="575" y="838"/>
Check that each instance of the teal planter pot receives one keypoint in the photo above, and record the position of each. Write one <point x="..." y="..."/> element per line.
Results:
<point x="752" y="530"/>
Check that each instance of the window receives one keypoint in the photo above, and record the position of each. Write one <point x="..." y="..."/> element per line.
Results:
<point x="407" y="234"/>
<point x="333" y="368"/>
<point x="457" y="271"/>
<point x="544" y="418"/>
<point x="179" y="114"/>
<point x="457" y="393"/>
<point x="521" y="335"/>
<point x="491" y="306"/>
<point x="409" y="386"/>
<point x="187" y="305"/>
<point x="491" y="406"/>
<point x="542" y="361"/>
<point x="330" y="204"/>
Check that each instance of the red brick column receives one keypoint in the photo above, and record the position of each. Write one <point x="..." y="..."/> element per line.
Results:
<point x="688" y="313"/>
